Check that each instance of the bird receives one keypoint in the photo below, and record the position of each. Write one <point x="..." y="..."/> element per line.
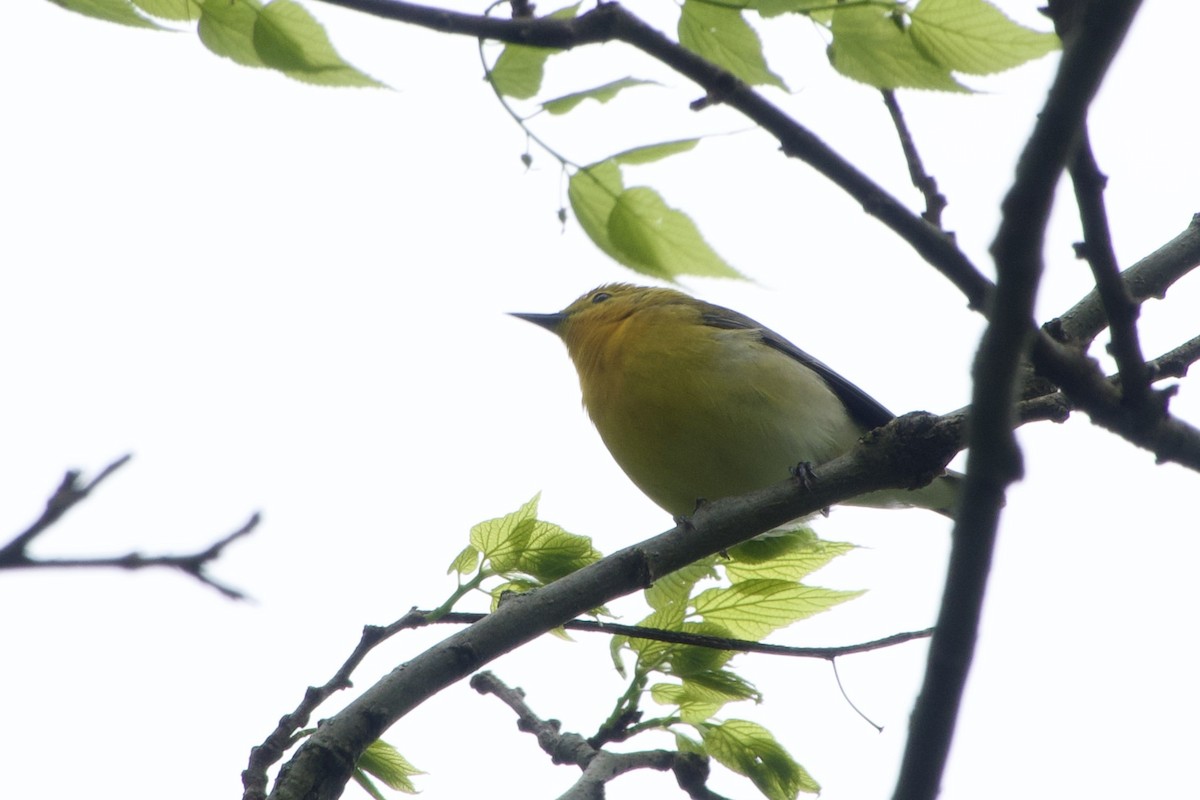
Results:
<point x="697" y="402"/>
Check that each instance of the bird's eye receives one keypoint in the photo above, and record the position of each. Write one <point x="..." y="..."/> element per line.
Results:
<point x="600" y="297"/>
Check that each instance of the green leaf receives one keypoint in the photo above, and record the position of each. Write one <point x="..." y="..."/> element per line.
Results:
<point x="384" y="762"/>
<point x="122" y="12"/>
<point x="281" y="35"/>
<point x="773" y="8"/>
<point x="654" y="152"/>
<point x="170" y="9"/>
<point x="548" y="552"/>
<point x="788" y="556"/>
<point x="675" y="589"/>
<point x="601" y="94"/>
<point x="519" y="68"/>
<point x="289" y="39"/>
<point x="869" y="45"/>
<point x="684" y="660"/>
<point x="693" y="708"/>
<point x="593" y="192"/>
<point x="515" y="585"/>
<point x="655" y="239"/>
<point x="749" y="749"/>
<point x="500" y="539"/>
<point x="465" y="562"/>
<point x="975" y="37"/>
<point x="702" y="696"/>
<point x="753" y="608"/>
<point x="722" y="35"/>
<point x="227" y="29"/>
<point x="651" y="654"/>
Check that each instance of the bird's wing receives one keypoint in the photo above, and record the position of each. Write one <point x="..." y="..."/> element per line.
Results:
<point x="864" y="409"/>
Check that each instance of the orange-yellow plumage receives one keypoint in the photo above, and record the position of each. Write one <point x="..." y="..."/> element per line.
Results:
<point x="696" y="401"/>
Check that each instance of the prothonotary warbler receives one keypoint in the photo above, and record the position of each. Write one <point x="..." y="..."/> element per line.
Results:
<point x="698" y="402"/>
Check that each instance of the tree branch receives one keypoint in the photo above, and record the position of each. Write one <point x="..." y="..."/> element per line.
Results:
<point x="1093" y="36"/>
<point x="1119" y="308"/>
<point x="712" y="642"/>
<point x="599" y="766"/>
<point x="926" y="184"/>
<point x="69" y="493"/>
<point x="915" y="444"/>
<point x="1150" y="277"/>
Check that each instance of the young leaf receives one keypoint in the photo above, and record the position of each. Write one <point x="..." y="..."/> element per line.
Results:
<point x="289" y="39"/>
<point x="790" y="556"/>
<point x="702" y="696"/>
<point x="518" y="69"/>
<point x="975" y="37"/>
<point x="749" y="749"/>
<point x="654" y="152"/>
<point x="652" y="238"/>
<point x="773" y="8"/>
<point x="121" y="12"/>
<point x="686" y="660"/>
<point x="593" y="192"/>
<point x="722" y="35"/>
<point x="674" y="589"/>
<point x="601" y="94"/>
<point x="384" y="762"/>
<point x="751" y="609"/>
<point x="227" y="29"/>
<point x="692" y="708"/>
<point x="495" y="537"/>
<point x="549" y="552"/>
<point x="465" y="562"/>
<point x="870" y="46"/>
<point x="515" y="585"/>
<point x="170" y="9"/>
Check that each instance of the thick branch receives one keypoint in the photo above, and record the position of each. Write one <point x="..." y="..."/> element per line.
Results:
<point x="1096" y="31"/>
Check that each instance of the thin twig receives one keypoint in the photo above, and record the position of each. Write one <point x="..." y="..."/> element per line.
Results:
<point x="599" y="766"/>
<point x="280" y="740"/>
<point x="713" y="642"/>
<point x="69" y="493"/>
<point x="926" y="184"/>
<point x="1119" y="308"/>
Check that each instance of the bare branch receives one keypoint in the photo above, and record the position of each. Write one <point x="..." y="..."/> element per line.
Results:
<point x="280" y="740"/>
<point x="926" y="184"/>
<point x="713" y="642"/>
<point x="599" y="766"/>
<point x="15" y="555"/>
<point x="65" y="497"/>
<point x="1095" y="33"/>
<point x="1119" y="308"/>
<point x="1150" y="277"/>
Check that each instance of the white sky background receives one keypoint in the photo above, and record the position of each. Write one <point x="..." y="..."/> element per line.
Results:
<point x="291" y="299"/>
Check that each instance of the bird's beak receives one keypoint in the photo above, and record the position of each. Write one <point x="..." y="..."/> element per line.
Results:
<point x="550" y="322"/>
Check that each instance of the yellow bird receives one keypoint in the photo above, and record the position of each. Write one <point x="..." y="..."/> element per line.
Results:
<point x="698" y="402"/>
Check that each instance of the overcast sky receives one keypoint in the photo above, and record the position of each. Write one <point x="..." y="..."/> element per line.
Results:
<point x="291" y="299"/>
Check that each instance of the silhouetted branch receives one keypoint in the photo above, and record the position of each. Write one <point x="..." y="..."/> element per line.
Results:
<point x="925" y="183"/>
<point x="1090" y="40"/>
<point x="599" y="766"/>
<point x="15" y="554"/>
